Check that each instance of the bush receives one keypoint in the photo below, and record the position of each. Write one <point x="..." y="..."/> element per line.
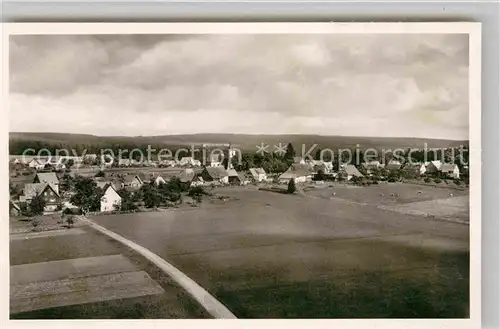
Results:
<point x="427" y="180"/>
<point x="72" y="211"/>
<point x="391" y="180"/>
<point x="437" y="180"/>
<point x="291" y="186"/>
<point x="457" y="182"/>
<point x="70" y="221"/>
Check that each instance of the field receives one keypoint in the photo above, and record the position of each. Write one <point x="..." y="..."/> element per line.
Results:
<point x="311" y="255"/>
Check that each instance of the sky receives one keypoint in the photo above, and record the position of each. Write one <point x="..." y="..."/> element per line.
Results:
<point x="386" y="85"/>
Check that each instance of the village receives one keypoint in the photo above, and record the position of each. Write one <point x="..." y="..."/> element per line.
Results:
<point x="47" y="185"/>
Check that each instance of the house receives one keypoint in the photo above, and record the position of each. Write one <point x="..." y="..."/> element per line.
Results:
<point x="350" y="171"/>
<point x="124" y="162"/>
<point x="187" y="176"/>
<point x="47" y="191"/>
<point x="371" y="165"/>
<point x="215" y="160"/>
<point x="167" y="163"/>
<point x="36" y="164"/>
<point x="215" y="175"/>
<point x="258" y="174"/>
<point x="14" y="209"/>
<point x="110" y="200"/>
<point x="197" y="180"/>
<point x="89" y="157"/>
<point x="132" y="181"/>
<point x="301" y="173"/>
<point x="393" y="165"/>
<point x="49" y="178"/>
<point x="189" y="161"/>
<point x="415" y="168"/>
<point x="451" y="170"/>
<point x="433" y="166"/>
<point x="158" y="180"/>
<point x="234" y="178"/>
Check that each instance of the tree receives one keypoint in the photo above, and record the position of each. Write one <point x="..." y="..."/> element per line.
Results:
<point x="70" y="221"/>
<point x="127" y="203"/>
<point x="290" y="152"/>
<point x="37" y="206"/>
<point x="151" y="196"/>
<point x="70" y="163"/>
<point x="14" y="191"/>
<point x="320" y="176"/>
<point x="87" y="194"/>
<point x="197" y="192"/>
<point x="291" y="186"/>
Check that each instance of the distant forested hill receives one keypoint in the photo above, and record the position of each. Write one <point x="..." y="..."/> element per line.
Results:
<point x="20" y="141"/>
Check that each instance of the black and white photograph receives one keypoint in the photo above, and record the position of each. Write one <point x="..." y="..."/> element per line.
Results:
<point x="244" y="171"/>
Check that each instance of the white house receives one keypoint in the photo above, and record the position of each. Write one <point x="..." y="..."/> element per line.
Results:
<point x="258" y="174"/>
<point x="34" y="163"/>
<point x="159" y="180"/>
<point x="451" y="170"/>
<point x="111" y="200"/>
<point x="301" y="173"/>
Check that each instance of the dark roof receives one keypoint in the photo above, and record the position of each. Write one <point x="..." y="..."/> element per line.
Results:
<point x="300" y="169"/>
<point x="32" y="190"/>
<point x="352" y="171"/>
<point x="47" y="177"/>
<point x="217" y="172"/>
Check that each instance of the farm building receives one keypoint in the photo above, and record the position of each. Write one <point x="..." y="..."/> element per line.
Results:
<point x="110" y="200"/>
<point x="258" y="174"/>
<point x="49" y="178"/>
<point x="299" y="172"/>
<point x="215" y="175"/>
<point x="47" y="191"/>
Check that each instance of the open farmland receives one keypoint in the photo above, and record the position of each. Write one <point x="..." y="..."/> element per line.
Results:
<point x="267" y="255"/>
<point x="449" y="204"/>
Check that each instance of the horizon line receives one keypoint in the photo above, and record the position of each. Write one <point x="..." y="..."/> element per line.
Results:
<point x="233" y="133"/>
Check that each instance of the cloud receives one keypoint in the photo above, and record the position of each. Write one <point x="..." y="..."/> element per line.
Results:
<point x="250" y="83"/>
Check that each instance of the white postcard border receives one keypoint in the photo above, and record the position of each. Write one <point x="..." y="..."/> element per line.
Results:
<point x="473" y="29"/>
